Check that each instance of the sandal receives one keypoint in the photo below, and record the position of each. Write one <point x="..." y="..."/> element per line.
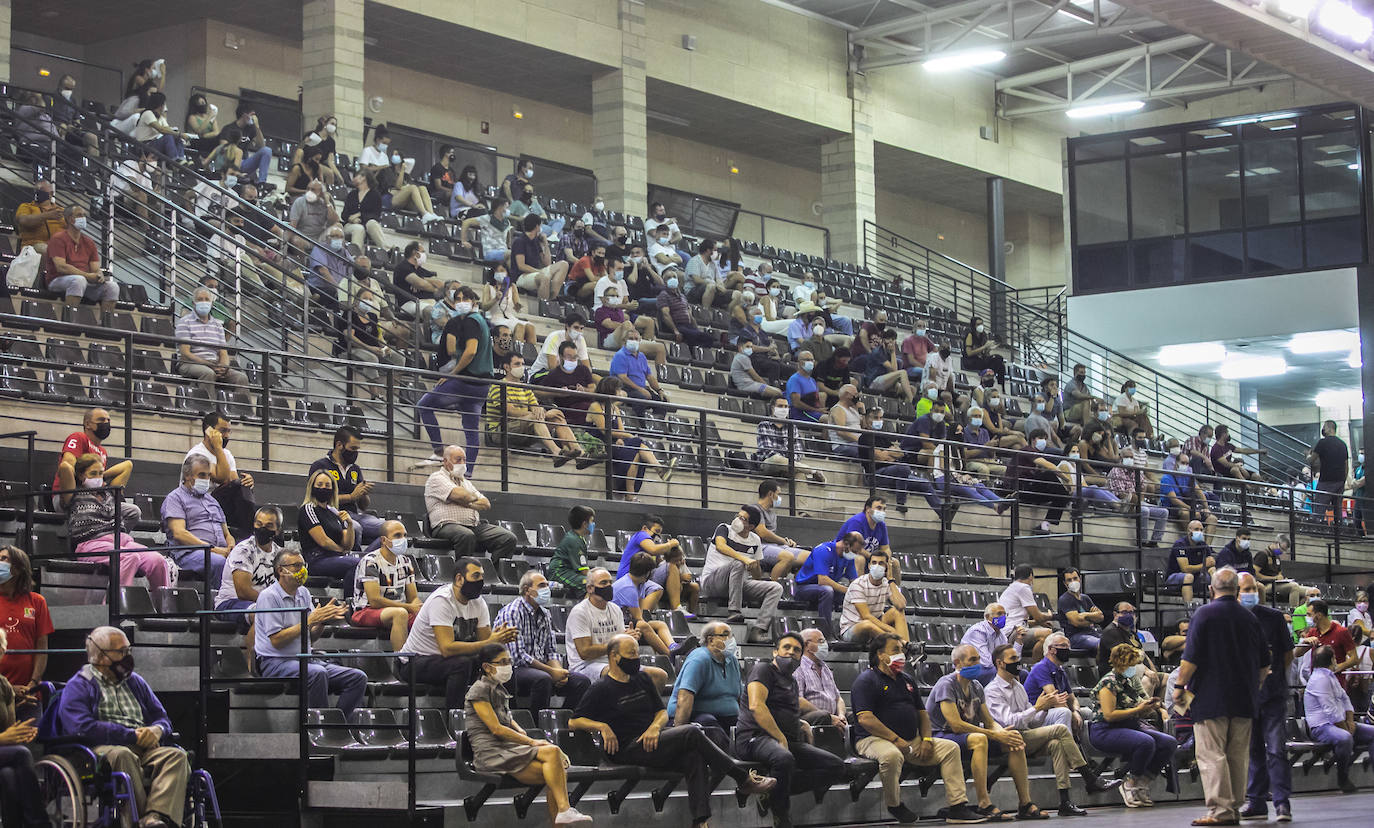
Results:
<point x="995" y="814"/>
<point x="1031" y="811"/>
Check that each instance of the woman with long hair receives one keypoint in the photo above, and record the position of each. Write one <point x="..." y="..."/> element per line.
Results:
<point x="978" y="351"/>
<point x="501" y="303"/>
<point x="325" y="532"/>
<point x="202" y="127"/>
<point x="152" y="129"/>
<point x="629" y="456"/>
<point x="467" y="194"/>
<point x="91" y="525"/>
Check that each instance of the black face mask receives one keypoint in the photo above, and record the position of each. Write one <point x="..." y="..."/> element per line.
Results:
<point x="1080" y="377"/>
<point x="264" y="535"/>
<point x="605" y="593"/>
<point x="123" y="668"/>
<point x="323" y="493"/>
<point x="362" y="273"/>
<point x="102" y="431"/>
<point x="224" y="441"/>
<point x="630" y="666"/>
<point x="348" y="456"/>
<point x="41" y="196"/>
<point x="788" y="665"/>
<point x="988" y="383"/>
<point x="944" y="353"/>
<point x="472" y="589"/>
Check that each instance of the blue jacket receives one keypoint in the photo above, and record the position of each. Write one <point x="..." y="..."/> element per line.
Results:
<point x="72" y="714"/>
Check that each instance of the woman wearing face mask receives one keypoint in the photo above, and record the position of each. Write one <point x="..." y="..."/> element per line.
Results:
<point x="468" y="195"/>
<point x="362" y="210"/>
<point x="326" y="534"/>
<point x="1128" y="413"/>
<point x="202" y="124"/>
<point x="629" y="456"/>
<point x="881" y="458"/>
<point x="1118" y="727"/>
<point x="364" y="341"/>
<point x="306" y="169"/>
<point x="501" y="303"/>
<point x="321" y="138"/>
<point x="1090" y="488"/>
<point x="443" y="310"/>
<point x="400" y="192"/>
<point x="91" y="525"/>
<point x="152" y="130"/>
<point x="500" y="746"/>
<point x="29" y="627"/>
<point x="513" y="185"/>
<point x="771" y="301"/>
<point x="1039" y="481"/>
<point x="979" y="351"/>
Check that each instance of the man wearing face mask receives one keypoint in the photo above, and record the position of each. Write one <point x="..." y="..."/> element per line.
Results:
<point x="231" y="487"/>
<point x="192" y="517"/>
<point x="662" y="254"/>
<point x="95" y="428"/>
<point x="816" y="682"/>
<point x="1077" y="396"/>
<point x="384" y="591"/>
<point x="844" y="420"/>
<point x="1236" y="552"/>
<point x="329" y="269"/>
<point x="311" y="214"/>
<point x="537" y="669"/>
<point x="915" y="350"/>
<point x="111" y="709"/>
<point x="1039" y="481"/>
<point x="1270" y="773"/>
<point x="774" y="441"/>
<point x="1191" y="561"/>
<point x="1037" y="420"/>
<point x="772" y="730"/>
<point x="453" y="624"/>
<point x="874" y="604"/>
<point x="939" y="369"/>
<point x="244" y="134"/>
<point x="803" y="394"/>
<point x="465" y="354"/>
<point x="251" y="565"/>
<point x="205" y="358"/>
<point x="894" y="729"/>
<point x="706" y="690"/>
<point x="355" y="490"/>
<point x="733" y="571"/>
<point x="40" y="219"/>
<point x="824" y="577"/>
<point x="595" y="622"/>
<point x="989" y="634"/>
<point x="660" y="225"/>
<point x="71" y="267"/>
<point x="1078" y="615"/>
<point x="624" y="707"/>
<point x="675" y="314"/>
<point x="454" y="508"/>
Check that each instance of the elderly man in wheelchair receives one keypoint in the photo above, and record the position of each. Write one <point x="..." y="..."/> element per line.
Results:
<point x="110" y="709"/>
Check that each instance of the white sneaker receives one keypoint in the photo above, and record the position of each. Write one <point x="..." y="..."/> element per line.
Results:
<point x="1127" y="791"/>
<point x="432" y="460"/>
<point x="428" y="217"/>
<point x="572" y="816"/>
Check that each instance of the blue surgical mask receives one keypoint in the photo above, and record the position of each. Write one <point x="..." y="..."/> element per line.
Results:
<point x="399" y="546"/>
<point x="200" y="485"/>
<point x="632" y="345"/>
<point x="79" y="222"/>
<point x="1249" y="599"/>
<point x="5" y="573"/>
<point x="976" y="422"/>
<point x="877" y="571"/>
<point x="999" y="622"/>
<point x="1197" y="537"/>
<point x="672" y="283"/>
<point x="731" y="646"/>
<point x="971" y="672"/>
<point x="336" y="244"/>
<point x="1127" y="620"/>
<point x="1132" y="671"/>
<point x="203" y="308"/>
<point x="809" y="366"/>
<point x="544" y="596"/>
<point x="1039" y="406"/>
<point x="932" y="393"/>
<point x="880" y="516"/>
<point x="758" y="320"/>
<point x="395" y="158"/>
<point x="591" y="527"/>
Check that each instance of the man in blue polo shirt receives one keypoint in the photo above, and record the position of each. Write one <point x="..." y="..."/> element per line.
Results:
<point x="1049" y="672"/>
<point x="802" y="392"/>
<point x="1190" y="560"/>
<point x="632" y="369"/>
<point x="819" y="578"/>
<point x="871" y="524"/>
<point x="1236" y="552"/>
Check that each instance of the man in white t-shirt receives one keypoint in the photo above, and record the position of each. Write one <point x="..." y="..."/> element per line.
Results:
<point x="233" y="489"/>
<point x="662" y="253"/>
<point x="573" y="326"/>
<point x="592" y="625"/>
<point x="874" y="604"/>
<point x="733" y="571"/>
<point x="453" y="624"/>
<point x="940" y="369"/>
<point x="1018" y="599"/>
<point x="384" y="591"/>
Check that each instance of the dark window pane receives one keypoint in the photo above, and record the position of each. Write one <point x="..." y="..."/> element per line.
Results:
<point x="1214" y="188"/>
<point x="1101" y="268"/>
<point x="1093" y="149"/>
<point x="1331" y="176"/>
<point x="1100" y="194"/>
<point x="1215" y="256"/>
<point x="1157" y="261"/>
<point x="1157" y="196"/>
<point x="1271" y="182"/>
<point x="1334" y="242"/>
<point x="1274" y="248"/>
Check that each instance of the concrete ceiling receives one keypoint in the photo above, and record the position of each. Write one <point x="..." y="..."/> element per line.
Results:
<point x="84" y="22"/>
<point x="953" y="185"/>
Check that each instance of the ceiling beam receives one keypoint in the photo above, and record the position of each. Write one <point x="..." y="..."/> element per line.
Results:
<point x="921" y="20"/>
<point x="1013" y="46"/>
<point x="1103" y="61"/>
<point x="1154" y="94"/>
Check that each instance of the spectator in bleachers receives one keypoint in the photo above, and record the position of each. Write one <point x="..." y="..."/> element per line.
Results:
<point x="1322" y="630"/>
<point x="1123" y="630"/>
<point x="989" y="634"/>
<point x="366" y="343"/>
<point x="1128" y="414"/>
<point x="569" y="374"/>
<point x="1270" y="772"/>
<point x="958" y="711"/>
<point x="1088" y="488"/>
<point x="781" y="554"/>
<point x="774" y="441"/>
<point x="231" y="487"/>
<point x="979" y="351"/>
<point x="1330" y="458"/>
<point x="569" y="563"/>
<point x="242" y="141"/>
<point x="1018" y="599"/>
<point x="585" y="270"/>
<point x="999" y="423"/>
<point x="362" y="211"/>
<point x="465" y="355"/>
<point x="95" y="428"/>
<point x="312" y="213"/>
<point x="38" y="136"/>
<point x="1077" y="396"/>
<point x="706" y="691"/>
<point x="1358" y="617"/>
<point x="205" y="358"/>
<point x="808" y="331"/>
<point x="537" y="670"/>
<point x="513" y="185"/>
<point x="630" y="456"/>
<point x="662" y="253"/>
<point x="329" y="270"/>
<point x="91" y="523"/>
<point x="773" y="730"/>
<point x="500" y="746"/>
<point x="770" y="300"/>
<point x="1118" y="726"/>
<point x="39" y="219"/>
<point x="531" y="257"/>
<point x="733" y="571"/>
<point x="915" y="349"/>
<point x="919" y="440"/>
<point x="1331" y="716"/>
<point x="823" y="576"/>
<point x="66" y="113"/>
<point x="594" y="623"/>
<point x="754" y="367"/>
<point x="658" y="219"/>
<point x="881" y="458"/>
<point x="1054" y="406"/>
<point x="1049" y="676"/>
<point x="468" y="194"/>
<point x="251" y="565"/>
<point x="384" y="591"/>
<point x="111" y="709"/>
<point x="152" y="130"/>
<point x="712" y="286"/>
<point x="1182" y="495"/>
<point x="442" y="177"/>
<point x="671" y="572"/>
<point x="327" y="533"/>
<point x="1078" y="614"/>
<point x="574" y="331"/>
<point x="1038" y="420"/>
<point x="414" y="280"/>
<point x="816" y="682"/>
<point x="24" y="616"/>
<point x="631" y="368"/>
<point x="526" y="421"/>
<point x="871" y="524"/>
<point x="868" y="337"/>
<point x="201" y="125"/>
<point x="495" y="234"/>
<point x="355" y="491"/>
<point x="275" y="635"/>
<point x="1038" y="481"/>
<point x="322" y="136"/>
<point x="614" y="325"/>
<point x="1191" y="561"/>
<point x="636" y="592"/>
<point x="500" y="302"/>
<point x="453" y="506"/>
<point x="71" y="267"/>
<point x="803" y="394"/>
<point x="845" y="418"/>
<point x="642" y="279"/>
<point x="1236" y="552"/>
<point x="676" y="314"/>
<point x="624" y="707"/>
<point x="939" y="369"/>
<point x="191" y="516"/>
<point x="883" y="372"/>
<point x="21" y="799"/>
<point x="894" y="729"/>
<point x="873" y="603"/>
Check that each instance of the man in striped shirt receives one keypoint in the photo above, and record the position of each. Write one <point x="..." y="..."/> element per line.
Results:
<point x="528" y="422"/>
<point x="205" y="359"/>
<point x="537" y="668"/>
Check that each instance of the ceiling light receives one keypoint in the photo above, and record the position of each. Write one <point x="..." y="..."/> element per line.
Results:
<point x="1352" y="166"/>
<point x="1340" y="398"/>
<point x="964" y="60"/>
<point x="1196" y="353"/>
<point x="1321" y="342"/>
<point x="1238" y="367"/>
<point x="1095" y="110"/>
<point x="1344" y="22"/>
<point x="1354" y="360"/>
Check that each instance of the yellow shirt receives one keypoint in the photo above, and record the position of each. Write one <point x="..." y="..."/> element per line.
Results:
<point x="42" y="233"/>
<point x="518" y="396"/>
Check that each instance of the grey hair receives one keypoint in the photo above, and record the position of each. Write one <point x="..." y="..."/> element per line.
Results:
<point x="714" y="628"/>
<point x="810" y="633"/>
<point x="1225" y="581"/>
<point x="190" y="464"/>
<point x="962" y="651"/>
<point x="288" y="550"/>
<point x="1055" y="638"/>
<point x="528" y="578"/>
<point x="99" y="640"/>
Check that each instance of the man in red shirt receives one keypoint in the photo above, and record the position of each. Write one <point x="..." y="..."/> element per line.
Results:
<point x="24" y="617"/>
<point x="95" y="427"/>
<point x="72" y="265"/>
<point x="1322" y="630"/>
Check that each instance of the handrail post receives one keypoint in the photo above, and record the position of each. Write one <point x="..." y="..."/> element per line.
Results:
<point x="265" y="410"/>
<point x="302" y="737"/>
<point x="112" y="590"/>
<point x="238" y="289"/>
<point x="702" y="452"/>
<point x="410" y="744"/>
<point x="390" y="420"/>
<point x="128" y="338"/>
<point x="791" y="468"/>
<point x="505" y="441"/>
<point x="609" y="437"/>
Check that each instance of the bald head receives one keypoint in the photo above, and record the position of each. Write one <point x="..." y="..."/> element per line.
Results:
<point x="1225" y="581"/>
<point x="102" y="645"/>
<point x="964" y="655"/>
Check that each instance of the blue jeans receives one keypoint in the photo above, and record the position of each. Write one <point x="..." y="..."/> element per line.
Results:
<point x="496" y="255"/>
<point x="1084" y="641"/>
<point x="1270" y="771"/>
<point x="258" y="162"/>
<point x="899" y="479"/>
<point x="321" y="679"/>
<point x="1097" y="494"/>
<point x="843" y="324"/>
<point x="369" y="527"/>
<point x="454" y="394"/>
<point x="555" y="226"/>
<point x="978" y="493"/>
<point x="819" y="594"/>
<point x="169" y="146"/>
<point x="193" y="561"/>
<point x="1156" y="515"/>
<point x="236" y="604"/>
<point x="1343" y="744"/>
<point x="622" y="458"/>
<point x="850" y="450"/>
<point x="1146" y="751"/>
<point x="343" y="567"/>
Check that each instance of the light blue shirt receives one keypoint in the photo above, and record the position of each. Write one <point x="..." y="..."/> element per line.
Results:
<point x="271" y="623"/>
<point x="985" y="638"/>
<point x="1325" y="700"/>
<point x="715" y="686"/>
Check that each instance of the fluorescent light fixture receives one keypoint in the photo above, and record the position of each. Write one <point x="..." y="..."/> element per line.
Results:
<point x="1352" y="166"/>
<point x="1354" y="360"/>
<point x="1340" y="398"/>
<point x="1147" y="141"/>
<point x="1257" y="119"/>
<point x="666" y="118"/>
<point x="1331" y="149"/>
<point x="1196" y="353"/>
<point x="1095" y="110"/>
<point x="1262" y="171"/>
<point x="1238" y="367"/>
<point x="964" y="60"/>
<point x="1344" y="22"/>
<point x="1321" y="342"/>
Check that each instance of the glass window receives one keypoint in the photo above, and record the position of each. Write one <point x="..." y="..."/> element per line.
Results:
<point x="1101" y="268"/>
<point x="1157" y="196"/>
<point x="1093" y="149"/>
<point x="1214" y="188"/>
<point x="1101" y="207"/>
<point x="1331" y="174"/>
<point x="1157" y="262"/>
<point x="1215" y="256"/>
<point x="1271" y="181"/>
<point x="1274" y="248"/>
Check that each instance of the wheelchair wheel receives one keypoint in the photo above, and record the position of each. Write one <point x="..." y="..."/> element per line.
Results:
<point x="63" y="796"/>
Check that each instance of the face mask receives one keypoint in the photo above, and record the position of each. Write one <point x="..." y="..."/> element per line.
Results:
<point x="758" y="319"/>
<point x="920" y="331"/>
<point x="605" y="593"/>
<point x="818" y="330"/>
<point x="978" y="329"/>
<point x="336" y="244"/>
<point x="1059" y="653"/>
<point x="1080" y="377"/>
<point x="610" y="300"/>
<point x="395" y="159"/>
<point x="5" y="573"/>
<point x="1126" y="619"/>
<point x="995" y="402"/>
<point x="1360" y="458"/>
<point x="569" y="365"/>
<point x="1249" y="599"/>
<point x="878" y="425"/>
<point x="732" y="646"/>
<point x="544" y="596"/>
<point x="123" y="668"/>
<point x="662" y="241"/>
<point x="944" y="353"/>
<point x="1097" y="438"/>
<point x="1074" y="586"/>
<point x="850" y="556"/>
<point x="93" y="482"/>
<point x="635" y="259"/>
<point x="1196" y="537"/>
<point x="323" y="493"/>
<point x="599" y="206"/>
<point x="897" y="662"/>
<point x="200" y="485"/>
<point x="463" y="308"/>
<point x="202" y="308"/>
<point x="1363" y="606"/>
<point x="787" y="665"/>
<point x="999" y="622"/>
<point x="809" y="366"/>
<point x="1243" y="545"/>
<point x="747" y="351"/>
<point x="937" y="416"/>
<point x="79" y="222"/>
<point x="1103" y="415"/>
<point x="1128" y="462"/>
<point x="672" y="283"/>
<point x="823" y="648"/>
<point x="880" y="516"/>
<point x="471" y="589"/>
<point x="774" y="292"/>
<point x="67" y="93"/>
<point x="1073" y="455"/>
<point x="1207" y="441"/>
<point x="529" y="173"/>
<point x="971" y="672"/>
<point x="877" y="571"/>
<point x="1132" y="671"/>
<point x="1040" y="443"/>
<point x="976" y="422"/>
<point x="932" y="393"/>
<point x="399" y="546"/>
<point x="989" y="382"/>
<point x="632" y="345"/>
<point x="629" y="666"/>
<point x="1039" y="406"/>
<point x="264" y="535"/>
<point x="810" y="285"/>
<point x="102" y="431"/>
<point x="41" y="196"/>
<point x="782" y="411"/>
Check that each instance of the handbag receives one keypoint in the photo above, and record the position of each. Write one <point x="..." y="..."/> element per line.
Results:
<point x="23" y="270"/>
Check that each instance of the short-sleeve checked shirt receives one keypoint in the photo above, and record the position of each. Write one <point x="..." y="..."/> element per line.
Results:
<point x="816" y="684"/>
<point x="209" y="333"/>
<point x="117" y="704"/>
<point x="534" y="633"/>
<point x="440" y="509"/>
<point x="771" y="439"/>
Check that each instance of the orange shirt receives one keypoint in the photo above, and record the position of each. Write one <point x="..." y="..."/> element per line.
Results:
<point x="44" y="231"/>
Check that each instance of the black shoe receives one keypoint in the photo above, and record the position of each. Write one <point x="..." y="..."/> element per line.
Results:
<point x="757" y="636"/>
<point x="735" y="618"/>
<point x="1254" y="810"/>
<point x="902" y="508"/>
<point x="962" y="814"/>
<point x="903" y="814"/>
<point x="781" y="821"/>
<point x="683" y="647"/>
<point x="584" y="461"/>
<point x="1284" y="812"/>
<point x="1092" y="783"/>
<point x="1346" y="786"/>
<point x="1067" y="806"/>
<point x="1150" y="545"/>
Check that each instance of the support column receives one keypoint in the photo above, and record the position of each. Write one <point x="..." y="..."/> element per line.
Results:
<point x="332" y="68"/>
<point x="1364" y="296"/>
<point x="620" y="134"/>
<point x="6" y="15"/>
<point x="848" y="192"/>
<point x="997" y="254"/>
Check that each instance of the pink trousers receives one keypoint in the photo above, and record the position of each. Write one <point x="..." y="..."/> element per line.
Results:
<point x="150" y="565"/>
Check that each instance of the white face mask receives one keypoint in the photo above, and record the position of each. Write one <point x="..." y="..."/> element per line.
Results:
<point x="503" y="672"/>
<point x="67" y="93"/>
<point x="818" y="330"/>
<point x="599" y="206"/>
<point x="937" y="417"/>
<point x="1074" y="586"/>
<point x="463" y="307"/>
<point x="1174" y="451"/>
<point x="311" y="197"/>
<point x="979" y="329"/>
<point x="329" y="128"/>
<point x="781" y="412"/>
<point x="877" y="425"/>
<point x="610" y="300"/>
<point x="632" y="345"/>
<point x="569" y="365"/>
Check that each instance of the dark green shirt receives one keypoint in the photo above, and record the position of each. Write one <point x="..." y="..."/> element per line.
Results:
<point x="569" y="565"/>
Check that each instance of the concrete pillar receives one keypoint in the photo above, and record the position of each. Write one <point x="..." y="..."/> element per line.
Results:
<point x="6" y="15"/>
<point x="332" y="68"/>
<point x="848" y="192"/>
<point x="620" y="134"/>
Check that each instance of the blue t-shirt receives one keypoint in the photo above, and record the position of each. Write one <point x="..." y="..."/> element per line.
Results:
<point x="628" y="594"/>
<point x="635" y="366"/>
<point x="715" y="687"/>
<point x="826" y="560"/>
<point x="874" y="536"/>
<point x="631" y="549"/>
<point x="805" y="387"/>
<point x="1046" y="672"/>
<point x="1179" y="485"/>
